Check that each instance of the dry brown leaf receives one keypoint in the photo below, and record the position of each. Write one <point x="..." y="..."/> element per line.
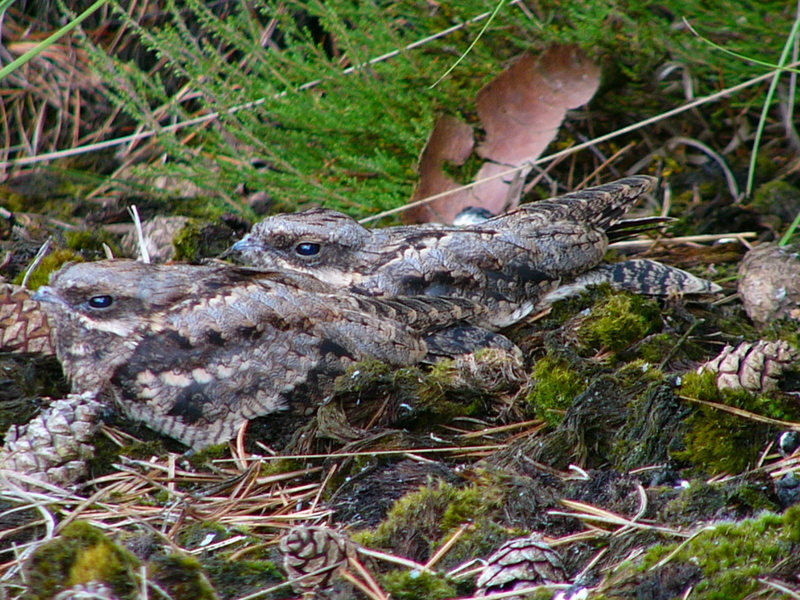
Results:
<point x="520" y="110"/>
<point x="450" y="141"/>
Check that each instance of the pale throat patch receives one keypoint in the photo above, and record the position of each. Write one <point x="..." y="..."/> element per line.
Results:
<point x="335" y="277"/>
<point x="116" y="326"/>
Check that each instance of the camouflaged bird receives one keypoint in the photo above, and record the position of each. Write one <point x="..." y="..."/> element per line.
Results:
<point x="514" y="263"/>
<point x="195" y="351"/>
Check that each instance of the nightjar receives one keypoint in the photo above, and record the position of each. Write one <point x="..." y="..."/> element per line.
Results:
<point x="513" y="264"/>
<point x="194" y="351"/>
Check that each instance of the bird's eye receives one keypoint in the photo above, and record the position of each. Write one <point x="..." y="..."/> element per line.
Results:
<point x="100" y="301"/>
<point x="307" y="249"/>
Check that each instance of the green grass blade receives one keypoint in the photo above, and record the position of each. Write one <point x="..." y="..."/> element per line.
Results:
<point x="13" y="66"/>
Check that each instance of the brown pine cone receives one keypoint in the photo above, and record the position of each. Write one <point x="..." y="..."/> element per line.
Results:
<point x="521" y="563"/>
<point x="159" y="234"/>
<point x="769" y="283"/>
<point x="754" y="366"/>
<point x="23" y="326"/>
<point x="52" y="447"/>
<point x="318" y="550"/>
<point x="94" y="590"/>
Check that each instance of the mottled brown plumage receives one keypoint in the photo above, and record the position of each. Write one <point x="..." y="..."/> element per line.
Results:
<point x="194" y="351"/>
<point x="513" y="263"/>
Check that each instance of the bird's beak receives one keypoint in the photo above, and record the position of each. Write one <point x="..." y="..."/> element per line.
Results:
<point x="45" y="294"/>
<point x="245" y="244"/>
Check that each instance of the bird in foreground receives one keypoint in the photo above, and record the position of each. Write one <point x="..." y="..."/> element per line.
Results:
<point x="513" y="264"/>
<point x="195" y="351"/>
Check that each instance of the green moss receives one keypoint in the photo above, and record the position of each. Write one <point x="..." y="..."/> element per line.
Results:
<point x="188" y="242"/>
<point x="656" y="347"/>
<point x="438" y="395"/>
<point x="181" y="577"/>
<point x="421" y="521"/>
<point x="564" y="310"/>
<point x="732" y="556"/>
<point x="778" y="201"/>
<point x="782" y="329"/>
<point x="49" y="265"/>
<point x="720" y="442"/>
<point x="620" y="320"/>
<point x="203" y="458"/>
<point x="638" y="372"/>
<point x="281" y="466"/>
<point x="90" y="242"/>
<point x="416" y="585"/>
<point x="791" y="521"/>
<point x="237" y="578"/>
<point x="703" y="502"/>
<point x="81" y="554"/>
<point x="201" y="239"/>
<point x="234" y="578"/>
<point x="702" y="386"/>
<point x="555" y="386"/>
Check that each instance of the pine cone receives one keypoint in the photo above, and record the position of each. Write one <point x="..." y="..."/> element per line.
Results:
<point x="317" y="550"/>
<point x="159" y="234"/>
<point x="769" y="283"/>
<point x="94" y="590"/>
<point x="53" y="446"/>
<point x="753" y="366"/>
<point x="519" y="564"/>
<point x="23" y="326"/>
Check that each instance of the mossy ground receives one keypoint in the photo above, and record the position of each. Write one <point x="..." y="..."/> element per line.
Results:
<point x="733" y="556"/>
<point x="82" y="554"/>
<point x="719" y="442"/>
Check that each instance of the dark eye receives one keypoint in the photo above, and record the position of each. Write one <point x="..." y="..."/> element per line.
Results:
<point x="307" y="249"/>
<point x="100" y="301"/>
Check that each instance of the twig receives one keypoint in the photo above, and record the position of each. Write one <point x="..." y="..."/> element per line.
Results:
<point x="746" y="414"/>
<point x="780" y="586"/>
<point x="391" y="558"/>
<point x="521" y="592"/>
<point x="37" y="260"/>
<point x="680" y="343"/>
<point x="708" y="237"/>
<point x="441" y="552"/>
<point x="681" y="546"/>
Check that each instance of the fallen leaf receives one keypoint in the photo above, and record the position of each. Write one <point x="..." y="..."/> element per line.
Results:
<point x="520" y="110"/>
<point x="450" y="141"/>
